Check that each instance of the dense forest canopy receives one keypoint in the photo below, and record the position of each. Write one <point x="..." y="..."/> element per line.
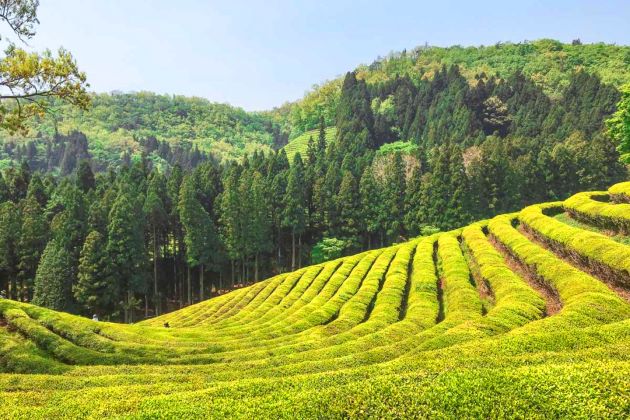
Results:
<point x="548" y="63"/>
<point x="118" y="124"/>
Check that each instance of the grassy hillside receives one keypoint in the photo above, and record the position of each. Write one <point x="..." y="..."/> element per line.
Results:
<point x="300" y="143"/>
<point x="526" y="314"/>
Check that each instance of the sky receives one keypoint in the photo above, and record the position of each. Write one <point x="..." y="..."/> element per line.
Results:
<point x="260" y="54"/>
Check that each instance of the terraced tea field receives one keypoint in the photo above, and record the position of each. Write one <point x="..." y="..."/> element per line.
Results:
<point x="300" y="143"/>
<point x="526" y="315"/>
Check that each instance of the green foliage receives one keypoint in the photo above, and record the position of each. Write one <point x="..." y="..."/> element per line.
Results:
<point x="327" y="249"/>
<point x="392" y="330"/>
<point x="619" y="124"/>
<point x="95" y="290"/>
<point x="54" y="278"/>
<point x="403" y="147"/>
<point x="300" y="143"/>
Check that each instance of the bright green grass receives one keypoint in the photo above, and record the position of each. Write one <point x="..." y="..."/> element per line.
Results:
<point x="396" y="332"/>
<point x="300" y="143"/>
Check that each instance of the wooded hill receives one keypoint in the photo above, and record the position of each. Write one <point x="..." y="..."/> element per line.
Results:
<point x="406" y="156"/>
<point x="122" y="126"/>
<point x="524" y="314"/>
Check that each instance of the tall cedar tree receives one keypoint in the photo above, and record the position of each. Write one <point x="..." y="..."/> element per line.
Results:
<point x="33" y="238"/>
<point x="125" y="247"/>
<point x="96" y="289"/>
<point x="295" y="205"/>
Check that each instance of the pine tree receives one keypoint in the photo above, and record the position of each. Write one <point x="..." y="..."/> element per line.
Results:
<point x="259" y="226"/>
<point x="9" y="237"/>
<point x="355" y="121"/>
<point x="96" y="290"/>
<point x="85" y="176"/>
<point x="295" y="206"/>
<point x="372" y="209"/>
<point x="125" y="247"/>
<point x="200" y="234"/>
<point x="394" y="197"/>
<point x="156" y="219"/>
<point x="33" y="238"/>
<point x="54" y="278"/>
<point x="349" y="210"/>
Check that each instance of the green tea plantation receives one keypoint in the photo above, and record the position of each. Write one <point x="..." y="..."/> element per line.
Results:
<point x="526" y="315"/>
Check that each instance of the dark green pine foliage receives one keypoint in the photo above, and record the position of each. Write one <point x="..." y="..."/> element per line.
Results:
<point x="38" y="190"/>
<point x="54" y="278"/>
<point x="68" y="231"/>
<point x="96" y="290"/>
<point x="200" y="235"/>
<point x="294" y="215"/>
<point x="33" y="239"/>
<point x="355" y="121"/>
<point x="394" y="197"/>
<point x="10" y="224"/>
<point x="259" y="225"/>
<point x="230" y="218"/>
<point x="156" y="218"/>
<point x="373" y="216"/>
<point x="85" y="176"/>
<point x="349" y="210"/>
<point x="125" y="247"/>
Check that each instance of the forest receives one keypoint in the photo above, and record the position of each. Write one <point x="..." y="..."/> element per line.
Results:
<point x="411" y="156"/>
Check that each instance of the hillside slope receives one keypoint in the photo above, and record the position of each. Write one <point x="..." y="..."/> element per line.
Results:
<point x="526" y="314"/>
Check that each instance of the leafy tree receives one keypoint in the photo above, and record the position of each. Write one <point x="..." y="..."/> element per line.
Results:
<point x="619" y="125"/>
<point x="29" y="79"/>
<point x="327" y="249"/>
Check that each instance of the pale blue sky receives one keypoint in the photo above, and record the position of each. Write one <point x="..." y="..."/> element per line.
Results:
<point x="259" y="54"/>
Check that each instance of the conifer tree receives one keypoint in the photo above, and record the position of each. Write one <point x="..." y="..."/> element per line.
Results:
<point x="95" y="290"/>
<point x="33" y="238"/>
<point x="54" y="278"/>
<point x="125" y="247"/>
<point x="85" y="176"/>
<point x="200" y="234"/>
<point x="394" y="197"/>
<point x="156" y="220"/>
<point x="9" y="237"/>
<point x="349" y="210"/>
<point x="294" y="203"/>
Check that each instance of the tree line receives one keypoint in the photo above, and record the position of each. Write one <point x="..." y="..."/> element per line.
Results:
<point x="410" y="158"/>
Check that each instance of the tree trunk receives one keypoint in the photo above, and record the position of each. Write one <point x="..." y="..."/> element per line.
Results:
<point x="156" y="301"/>
<point x="232" y="274"/>
<point x="243" y="271"/>
<point x="292" y="249"/>
<point x="189" y="284"/>
<point x="146" y="305"/>
<point x="256" y="268"/>
<point x="129" y="308"/>
<point x="12" y="288"/>
<point x="200" y="282"/>
<point x="300" y="250"/>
